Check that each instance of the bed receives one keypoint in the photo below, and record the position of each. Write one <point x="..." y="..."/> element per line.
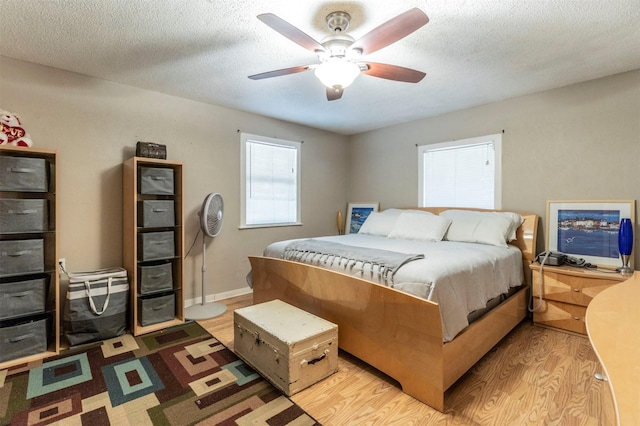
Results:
<point x="393" y="330"/>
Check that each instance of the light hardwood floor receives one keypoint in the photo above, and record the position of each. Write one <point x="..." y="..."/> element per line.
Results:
<point x="535" y="376"/>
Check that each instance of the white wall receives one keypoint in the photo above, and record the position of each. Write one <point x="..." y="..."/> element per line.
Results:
<point x="94" y="126"/>
<point x="580" y="142"/>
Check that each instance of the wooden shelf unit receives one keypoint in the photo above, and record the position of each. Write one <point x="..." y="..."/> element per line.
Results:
<point x="566" y="293"/>
<point x="50" y="239"/>
<point x="131" y="230"/>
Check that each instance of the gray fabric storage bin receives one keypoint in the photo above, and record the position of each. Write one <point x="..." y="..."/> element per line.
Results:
<point x="23" y="297"/>
<point x="155" y="278"/>
<point x="23" y="215"/>
<point x="23" y="174"/>
<point x="156" y="180"/>
<point x="156" y="245"/>
<point x="156" y="213"/>
<point x="96" y="305"/>
<point x="21" y="340"/>
<point x="21" y="257"/>
<point x="156" y="309"/>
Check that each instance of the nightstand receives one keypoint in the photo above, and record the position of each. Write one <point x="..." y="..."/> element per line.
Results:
<point x="566" y="292"/>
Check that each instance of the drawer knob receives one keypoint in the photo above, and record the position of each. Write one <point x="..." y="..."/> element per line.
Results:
<point x="577" y="290"/>
<point x="576" y="318"/>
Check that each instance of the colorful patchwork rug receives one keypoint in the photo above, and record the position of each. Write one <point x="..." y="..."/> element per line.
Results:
<point x="179" y="376"/>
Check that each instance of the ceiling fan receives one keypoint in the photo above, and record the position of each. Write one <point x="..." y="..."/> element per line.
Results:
<point x="340" y="54"/>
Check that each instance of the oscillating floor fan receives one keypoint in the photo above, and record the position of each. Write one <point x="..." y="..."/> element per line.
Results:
<point x="211" y="215"/>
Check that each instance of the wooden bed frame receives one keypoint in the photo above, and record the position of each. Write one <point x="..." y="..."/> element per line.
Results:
<point x="395" y="332"/>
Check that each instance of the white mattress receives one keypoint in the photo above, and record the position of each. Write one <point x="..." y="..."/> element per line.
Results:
<point x="460" y="277"/>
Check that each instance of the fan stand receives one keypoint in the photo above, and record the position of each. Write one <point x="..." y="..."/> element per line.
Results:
<point x="204" y="310"/>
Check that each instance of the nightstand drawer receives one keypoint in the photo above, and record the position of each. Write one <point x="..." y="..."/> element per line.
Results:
<point x="561" y="315"/>
<point x="561" y="287"/>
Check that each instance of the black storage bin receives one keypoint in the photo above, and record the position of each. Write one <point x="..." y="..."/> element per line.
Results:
<point x="21" y="257"/>
<point x="156" y="213"/>
<point x="156" y="246"/>
<point x="156" y="180"/>
<point x="23" y="297"/>
<point x="23" y="174"/>
<point x="155" y="278"/>
<point x="154" y="310"/>
<point x="23" y="339"/>
<point x="23" y="215"/>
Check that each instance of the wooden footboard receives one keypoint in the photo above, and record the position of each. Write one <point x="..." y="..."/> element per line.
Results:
<point x="395" y="332"/>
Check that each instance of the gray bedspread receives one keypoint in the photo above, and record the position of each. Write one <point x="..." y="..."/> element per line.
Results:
<point x="373" y="262"/>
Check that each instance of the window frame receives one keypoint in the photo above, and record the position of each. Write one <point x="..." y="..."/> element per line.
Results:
<point x="495" y="139"/>
<point x="245" y="138"/>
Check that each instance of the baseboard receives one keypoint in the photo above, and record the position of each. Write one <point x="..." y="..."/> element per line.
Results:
<point x="219" y="296"/>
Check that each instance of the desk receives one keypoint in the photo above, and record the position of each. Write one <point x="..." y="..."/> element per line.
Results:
<point x="613" y="326"/>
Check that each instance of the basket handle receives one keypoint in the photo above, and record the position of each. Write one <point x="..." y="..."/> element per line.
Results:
<point x="87" y="286"/>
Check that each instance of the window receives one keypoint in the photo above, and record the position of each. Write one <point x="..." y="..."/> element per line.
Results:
<point x="462" y="173"/>
<point x="270" y="181"/>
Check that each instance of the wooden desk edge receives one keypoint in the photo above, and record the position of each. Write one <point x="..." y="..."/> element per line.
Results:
<point x="612" y="320"/>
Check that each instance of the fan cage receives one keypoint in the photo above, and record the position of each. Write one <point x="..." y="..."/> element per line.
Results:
<point x="212" y="214"/>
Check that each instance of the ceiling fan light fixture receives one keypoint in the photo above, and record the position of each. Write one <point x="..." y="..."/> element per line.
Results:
<point x="340" y="54"/>
<point x="337" y="73"/>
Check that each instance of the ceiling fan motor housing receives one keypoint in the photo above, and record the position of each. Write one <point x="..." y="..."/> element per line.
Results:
<point x="338" y="43"/>
<point x="337" y="46"/>
<point x="338" y="21"/>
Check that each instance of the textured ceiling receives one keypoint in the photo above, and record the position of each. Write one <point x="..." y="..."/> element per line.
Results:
<point x="473" y="51"/>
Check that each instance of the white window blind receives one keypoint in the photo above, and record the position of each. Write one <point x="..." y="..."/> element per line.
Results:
<point x="270" y="181"/>
<point x="464" y="173"/>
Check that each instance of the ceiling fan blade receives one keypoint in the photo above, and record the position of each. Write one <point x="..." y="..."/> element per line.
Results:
<point x="393" y="72"/>
<point x="278" y="73"/>
<point x="391" y="31"/>
<point x="334" y="94"/>
<point x="290" y="32"/>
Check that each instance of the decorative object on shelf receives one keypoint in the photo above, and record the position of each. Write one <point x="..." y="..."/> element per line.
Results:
<point x="357" y="213"/>
<point x="588" y="229"/>
<point x="151" y="150"/>
<point x="625" y="245"/>
<point x="11" y="130"/>
<point x="340" y="223"/>
<point x="211" y="215"/>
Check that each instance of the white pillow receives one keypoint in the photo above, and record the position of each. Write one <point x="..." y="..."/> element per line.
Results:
<point x="415" y="225"/>
<point x="423" y="212"/>
<point x="516" y="221"/>
<point x="478" y="227"/>
<point x="394" y="212"/>
<point x="378" y="224"/>
<point x="398" y="212"/>
<point x="381" y="223"/>
<point x="510" y="233"/>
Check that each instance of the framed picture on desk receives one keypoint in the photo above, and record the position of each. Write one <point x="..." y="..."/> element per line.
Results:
<point x="588" y="229"/>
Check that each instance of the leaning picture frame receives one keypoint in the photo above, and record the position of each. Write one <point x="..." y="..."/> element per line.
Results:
<point x="588" y="229"/>
<point x="357" y="213"/>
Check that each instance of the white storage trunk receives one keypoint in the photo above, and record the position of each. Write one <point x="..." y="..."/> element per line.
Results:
<point x="292" y="348"/>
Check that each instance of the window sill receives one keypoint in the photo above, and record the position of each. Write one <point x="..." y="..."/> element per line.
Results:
<point x="269" y="225"/>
